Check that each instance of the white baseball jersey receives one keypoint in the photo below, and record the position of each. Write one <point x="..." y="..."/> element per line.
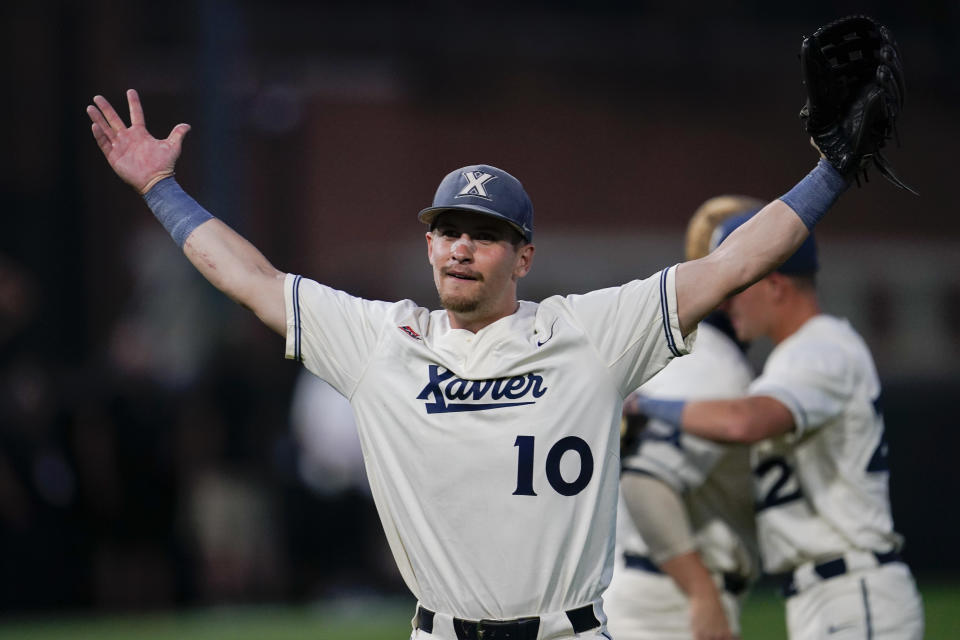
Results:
<point x="716" y="485"/>
<point x="492" y="456"/>
<point x="822" y="489"/>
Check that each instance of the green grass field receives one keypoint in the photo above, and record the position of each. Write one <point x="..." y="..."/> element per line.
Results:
<point x="380" y="620"/>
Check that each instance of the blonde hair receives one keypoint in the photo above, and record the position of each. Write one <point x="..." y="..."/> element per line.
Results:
<point x="709" y="215"/>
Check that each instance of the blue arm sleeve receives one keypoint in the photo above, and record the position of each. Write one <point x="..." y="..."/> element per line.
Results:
<point x="816" y="193"/>
<point x="177" y="212"/>
<point x="669" y="411"/>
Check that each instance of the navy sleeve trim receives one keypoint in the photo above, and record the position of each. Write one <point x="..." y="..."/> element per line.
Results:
<point x="296" y="319"/>
<point x="665" y="313"/>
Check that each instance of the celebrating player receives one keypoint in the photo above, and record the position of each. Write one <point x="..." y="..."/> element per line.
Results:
<point x="489" y="427"/>
<point x="819" y="462"/>
<point x="686" y="546"/>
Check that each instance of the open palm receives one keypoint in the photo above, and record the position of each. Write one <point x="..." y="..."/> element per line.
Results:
<point x="136" y="156"/>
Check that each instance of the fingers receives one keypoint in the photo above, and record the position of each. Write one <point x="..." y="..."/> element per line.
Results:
<point x="136" y="110"/>
<point x="177" y="134"/>
<point x="108" y="113"/>
<point x="100" y="125"/>
<point x="103" y="141"/>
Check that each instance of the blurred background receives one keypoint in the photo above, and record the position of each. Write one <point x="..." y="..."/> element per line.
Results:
<point x="156" y="450"/>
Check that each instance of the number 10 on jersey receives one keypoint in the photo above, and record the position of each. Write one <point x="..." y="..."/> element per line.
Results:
<point x="525" y="448"/>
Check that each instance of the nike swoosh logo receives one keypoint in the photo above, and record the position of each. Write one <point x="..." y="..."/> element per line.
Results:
<point x="540" y="343"/>
<point x="840" y="627"/>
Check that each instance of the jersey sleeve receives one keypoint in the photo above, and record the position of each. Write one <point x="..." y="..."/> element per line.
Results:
<point x="634" y="327"/>
<point x="813" y="381"/>
<point x="331" y="332"/>
<point x="681" y="460"/>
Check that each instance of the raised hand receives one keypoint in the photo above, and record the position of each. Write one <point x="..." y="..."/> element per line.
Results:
<point x="136" y="156"/>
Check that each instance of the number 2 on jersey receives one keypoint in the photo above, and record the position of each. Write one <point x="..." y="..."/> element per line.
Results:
<point x="525" y="446"/>
<point x="784" y="487"/>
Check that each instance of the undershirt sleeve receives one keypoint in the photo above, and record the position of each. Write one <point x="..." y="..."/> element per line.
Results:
<point x="660" y="516"/>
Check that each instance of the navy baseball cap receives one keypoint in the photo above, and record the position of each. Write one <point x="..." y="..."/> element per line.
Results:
<point x="804" y="261"/>
<point x="483" y="189"/>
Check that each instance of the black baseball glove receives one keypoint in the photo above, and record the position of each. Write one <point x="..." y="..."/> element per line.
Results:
<point x="855" y="90"/>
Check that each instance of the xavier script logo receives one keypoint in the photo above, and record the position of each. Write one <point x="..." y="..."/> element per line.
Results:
<point x="446" y="393"/>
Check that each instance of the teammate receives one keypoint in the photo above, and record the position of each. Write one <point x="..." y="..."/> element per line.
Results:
<point x="819" y="462"/>
<point x="686" y="546"/>
<point x="489" y="427"/>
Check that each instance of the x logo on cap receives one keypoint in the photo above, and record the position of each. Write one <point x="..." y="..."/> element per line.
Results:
<point x="475" y="182"/>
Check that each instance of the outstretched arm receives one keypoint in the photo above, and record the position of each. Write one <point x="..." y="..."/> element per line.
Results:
<point x="757" y="247"/>
<point x="224" y="257"/>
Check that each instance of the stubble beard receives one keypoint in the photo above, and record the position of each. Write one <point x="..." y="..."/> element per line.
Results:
<point x="463" y="302"/>
<point x="460" y="303"/>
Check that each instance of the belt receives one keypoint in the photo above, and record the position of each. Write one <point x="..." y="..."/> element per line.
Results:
<point x="834" y="568"/>
<point x="733" y="583"/>
<point x="581" y="619"/>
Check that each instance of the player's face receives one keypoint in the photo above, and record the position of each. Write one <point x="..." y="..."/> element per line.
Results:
<point x="476" y="264"/>
<point x="750" y="310"/>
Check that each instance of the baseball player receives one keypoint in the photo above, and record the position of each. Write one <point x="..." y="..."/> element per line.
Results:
<point x="686" y="546"/>
<point x="819" y="463"/>
<point x="490" y="427"/>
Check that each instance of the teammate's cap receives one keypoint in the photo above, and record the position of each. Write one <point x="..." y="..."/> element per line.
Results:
<point x="481" y="188"/>
<point x="803" y="262"/>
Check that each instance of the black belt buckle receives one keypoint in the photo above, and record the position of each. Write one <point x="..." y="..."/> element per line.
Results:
<point x="516" y="629"/>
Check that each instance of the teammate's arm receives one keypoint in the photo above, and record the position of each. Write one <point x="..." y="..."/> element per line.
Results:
<point x="756" y="247"/>
<point x="708" y="620"/>
<point x="661" y="518"/>
<point x="222" y="256"/>
<point x="748" y="419"/>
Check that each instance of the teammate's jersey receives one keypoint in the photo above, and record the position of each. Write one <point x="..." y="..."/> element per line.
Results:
<point x="822" y="489"/>
<point x="492" y="456"/>
<point x="714" y="478"/>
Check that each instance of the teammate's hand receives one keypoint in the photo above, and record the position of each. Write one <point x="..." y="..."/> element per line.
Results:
<point x="708" y="620"/>
<point x="136" y="156"/>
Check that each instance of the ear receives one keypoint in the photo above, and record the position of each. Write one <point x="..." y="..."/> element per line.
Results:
<point x="429" y="236"/>
<point x="524" y="261"/>
<point x="779" y="285"/>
